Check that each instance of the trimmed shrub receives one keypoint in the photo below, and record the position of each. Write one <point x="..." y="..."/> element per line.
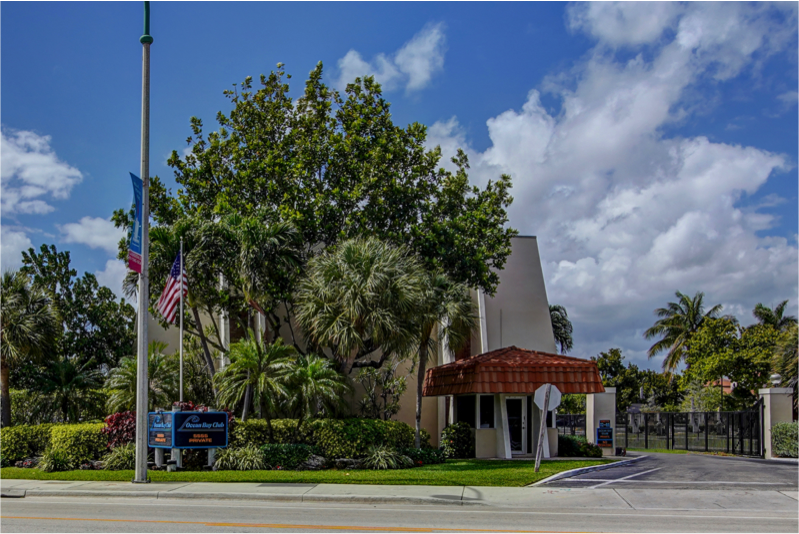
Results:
<point x="256" y="432"/>
<point x="458" y="441"/>
<point x="382" y="457"/>
<point x="57" y="460"/>
<point x="23" y="441"/>
<point x="425" y="456"/>
<point x="120" y="428"/>
<point x="286" y="456"/>
<point x="247" y="458"/>
<point x="577" y="447"/>
<point x="81" y="443"/>
<point x="351" y="438"/>
<point x="121" y="457"/>
<point x="785" y="439"/>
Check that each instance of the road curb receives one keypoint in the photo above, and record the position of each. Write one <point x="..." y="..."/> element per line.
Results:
<point x="344" y="499"/>
<point x="582" y="470"/>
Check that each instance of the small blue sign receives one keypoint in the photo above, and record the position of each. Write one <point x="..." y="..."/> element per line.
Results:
<point x="159" y="430"/>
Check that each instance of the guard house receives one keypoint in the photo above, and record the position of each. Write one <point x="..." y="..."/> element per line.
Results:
<point x="493" y="392"/>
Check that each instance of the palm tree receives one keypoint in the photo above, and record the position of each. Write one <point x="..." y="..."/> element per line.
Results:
<point x="315" y="384"/>
<point x="786" y="358"/>
<point x="29" y="326"/>
<point x="162" y="378"/>
<point x="678" y="321"/>
<point x="359" y="297"/>
<point x="448" y="306"/>
<point x="774" y="317"/>
<point x="561" y="327"/>
<point x="257" y="369"/>
<point x="70" y="387"/>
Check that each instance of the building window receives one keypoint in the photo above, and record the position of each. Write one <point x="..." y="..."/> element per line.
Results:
<point x="486" y="411"/>
<point x="464" y="409"/>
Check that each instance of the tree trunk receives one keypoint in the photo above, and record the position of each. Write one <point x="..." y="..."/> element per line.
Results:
<point x="247" y="395"/>
<point x="6" y="396"/>
<point x="419" y="385"/>
<point x="208" y="359"/>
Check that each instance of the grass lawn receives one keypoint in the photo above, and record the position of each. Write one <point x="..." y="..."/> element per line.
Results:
<point x="451" y="473"/>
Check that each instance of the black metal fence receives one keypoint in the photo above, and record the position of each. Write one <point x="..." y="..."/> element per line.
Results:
<point x="571" y="424"/>
<point x="730" y="432"/>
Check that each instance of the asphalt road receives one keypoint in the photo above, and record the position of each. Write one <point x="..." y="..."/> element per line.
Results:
<point x="146" y="515"/>
<point x="691" y="472"/>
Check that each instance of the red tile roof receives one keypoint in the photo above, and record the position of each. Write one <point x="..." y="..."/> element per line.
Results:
<point x="513" y="370"/>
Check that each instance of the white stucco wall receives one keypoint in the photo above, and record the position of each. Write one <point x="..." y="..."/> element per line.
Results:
<point x="518" y="314"/>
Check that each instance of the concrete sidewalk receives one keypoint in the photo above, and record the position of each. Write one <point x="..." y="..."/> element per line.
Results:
<point x="530" y="498"/>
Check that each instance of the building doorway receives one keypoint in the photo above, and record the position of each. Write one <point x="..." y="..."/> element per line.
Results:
<point x="517" y="424"/>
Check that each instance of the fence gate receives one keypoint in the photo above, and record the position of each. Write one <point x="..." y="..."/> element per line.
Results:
<point x="571" y="424"/>
<point x="730" y="432"/>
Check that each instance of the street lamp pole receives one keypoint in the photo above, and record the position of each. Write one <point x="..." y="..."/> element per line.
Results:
<point x="142" y="386"/>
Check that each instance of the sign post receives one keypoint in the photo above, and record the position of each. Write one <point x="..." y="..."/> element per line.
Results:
<point x="547" y="397"/>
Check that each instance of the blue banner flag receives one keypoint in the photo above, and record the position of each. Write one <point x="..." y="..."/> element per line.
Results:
<point x="134" y="253"/>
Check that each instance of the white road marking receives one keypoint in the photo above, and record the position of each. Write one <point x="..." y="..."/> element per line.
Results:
<point x="624" y="478"/>
<point x="675" y="481"/>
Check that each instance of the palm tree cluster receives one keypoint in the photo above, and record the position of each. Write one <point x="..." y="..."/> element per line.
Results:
<point x="276" y="380"/>
<point x="29" y="325"/>
<point x="681" y="320"/>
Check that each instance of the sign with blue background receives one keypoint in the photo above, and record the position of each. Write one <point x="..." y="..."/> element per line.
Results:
<point x="159" y="430"/>
<point x="200" y="430"/>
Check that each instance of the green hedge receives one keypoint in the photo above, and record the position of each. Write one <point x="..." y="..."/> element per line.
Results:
<point x="577" y="447"/>
<point x="457" y="441"/>
<point x="335" y="438"/>
<point x="785" y="439"/>
<point x="81" y="443"/>
<point x="23" y="441"/>
<point x="256" y="432"/>
<point x="286" y="456"/>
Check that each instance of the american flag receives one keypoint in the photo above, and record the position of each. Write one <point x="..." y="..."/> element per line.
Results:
<point x="168" y="303"/>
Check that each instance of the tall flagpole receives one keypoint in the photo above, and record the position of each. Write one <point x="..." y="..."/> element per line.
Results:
<point x="144" y="285"/>
<point x="181" y="320"/>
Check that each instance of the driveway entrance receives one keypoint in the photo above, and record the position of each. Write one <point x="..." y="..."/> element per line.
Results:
<point x="691" y="471"/>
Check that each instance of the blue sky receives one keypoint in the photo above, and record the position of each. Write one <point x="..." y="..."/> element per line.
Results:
<point x="653" y="146"/>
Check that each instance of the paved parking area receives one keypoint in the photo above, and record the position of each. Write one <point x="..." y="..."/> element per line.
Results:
<point x="690" y="471"/>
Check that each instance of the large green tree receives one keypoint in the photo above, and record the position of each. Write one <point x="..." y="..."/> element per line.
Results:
<point x="678" y="322"/>
<point x="28" y="329"/>
<point x="335" y="166"/>
<point x="95" y="325"/>
<point x="722" y="348"/>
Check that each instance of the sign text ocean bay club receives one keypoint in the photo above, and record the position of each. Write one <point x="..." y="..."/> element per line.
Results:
<point x="188" y="430"/>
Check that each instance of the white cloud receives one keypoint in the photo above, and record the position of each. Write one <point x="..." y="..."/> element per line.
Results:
<point x="113" y="276"/>
<point x="624" y="215"/>
<point x="788" y="99"/>
<point x="29" y="169"/>
<point x="94" y="232"/>
<point x="12" y="243"/>
<point x="413" y="65"/>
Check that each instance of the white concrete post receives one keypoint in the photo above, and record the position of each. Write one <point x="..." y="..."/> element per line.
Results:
<point x="776" y="409"/>
<point x="601" y="406"/>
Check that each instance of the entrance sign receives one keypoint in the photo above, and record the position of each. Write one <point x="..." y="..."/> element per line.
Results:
<point x="159" y="430"/>
<point x="199" y="430"/>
